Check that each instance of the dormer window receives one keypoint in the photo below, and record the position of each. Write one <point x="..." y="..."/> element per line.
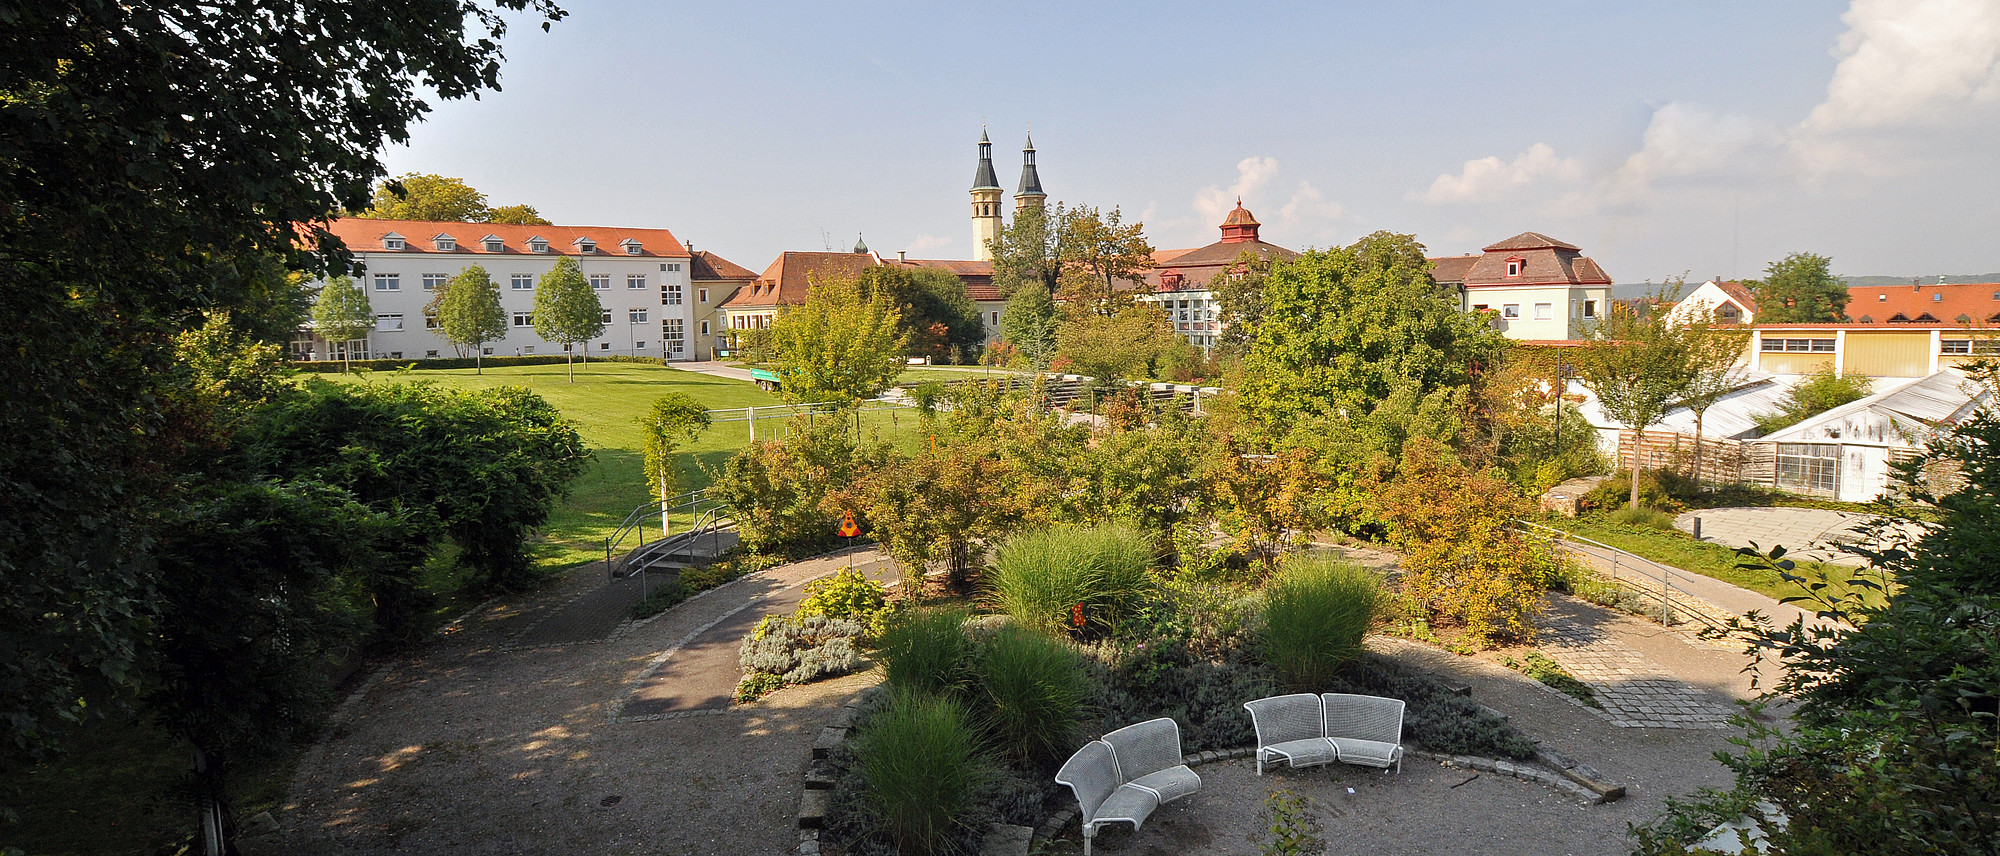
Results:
<point x="1514" y="267"/>
<point x="538" y="244"/>
<point x="445" y="243"/>
<point x="493" y="244"/>
<point x="632" y="247"/>
<point x="585" y="246"/>
<point x="393" y="241"/>
<point x="1937" y="296"/>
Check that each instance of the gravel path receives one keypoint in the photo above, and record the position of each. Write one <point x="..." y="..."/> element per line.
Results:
<point x="474" y="747"/>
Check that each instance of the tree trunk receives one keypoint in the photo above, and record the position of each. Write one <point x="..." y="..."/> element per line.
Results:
<point x="1697" y="449"/>
<point x="208" y="804"/>
<point x="479" y="358"/>
<point x="665" y="528"/>
<point x="569" y="360"/>
<point x="1638" y="451"/>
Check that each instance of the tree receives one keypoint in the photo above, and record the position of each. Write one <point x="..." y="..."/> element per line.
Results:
<point x="1239" y="291"/>
<point x="842" y="345"/>
<point x="421" y="196"/>
<point x="676" y="417"/>
<point x="935" y="505"/>
<point x="1029" y="323"/>
<point x="1637" y="366"/>
<point x="1136" y="343"/>
<point x="469" y="313"/>
<point x="146" y="143"/>
<point x="937" y="315"/>
<point x="519" y="215"/>
<point x="1799" y="289"/>
<point x="567" y="310"/>
<point x="1097" y="252"/>
<point x="1025" y="252"/>
<point x="1713" y="353"/>
<point x="1818" y="392"/>
<point x="342" y="314"/>
<point x="1344" y="329"/>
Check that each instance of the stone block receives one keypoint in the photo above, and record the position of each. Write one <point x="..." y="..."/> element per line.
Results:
<point x="813" y="806"/>
<point x="842" y="718"/>
<point x="1589" y="777"/>
<point x="819" y="776"/>
<point x="1004" y="839"/>
<point x="829" y="737"/>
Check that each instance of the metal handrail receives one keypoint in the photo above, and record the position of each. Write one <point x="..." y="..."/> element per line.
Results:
<point x="1665" y="574"/>
<point x="635" y="523"/>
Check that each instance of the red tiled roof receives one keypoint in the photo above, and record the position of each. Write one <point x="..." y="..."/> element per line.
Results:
<point x="1934" y="305"/>
<point x="706" y="266"/>
<point x="1198" y="266"/>
<point x="1544" y="261"/>
<point x="785" y="282"/>
<point x="1451" y="268"/>
<point x="1161" y="257"/>
<point x="364" y="235"/>
<point x="977" y="275"/>
<point x="1740" y="294"/>
<point x="1531" y="241"/>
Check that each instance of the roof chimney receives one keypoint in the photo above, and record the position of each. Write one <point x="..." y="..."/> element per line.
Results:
<point x="902" y="255"/>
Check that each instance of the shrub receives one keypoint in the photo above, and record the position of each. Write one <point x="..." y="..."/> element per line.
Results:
<point x="847" y="594"/>
<point x="798" y="650"/>
<point x="1036" y="686"/>
<point x="925" y="650"/>
<point x="662" y="598"/>
<point x="1151" y="679"/>
<point x="1075" y="578"/>
<point x="920" y="760"/>
<point x="1616" y="492"/>
<point x="1316" y="612"/>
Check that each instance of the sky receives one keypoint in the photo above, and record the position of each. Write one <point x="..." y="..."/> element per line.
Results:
<point x="1689" y="138"/>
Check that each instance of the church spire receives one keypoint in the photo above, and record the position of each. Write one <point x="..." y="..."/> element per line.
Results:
<point x="985" y="177"/>
<point x="985" y="202"/>
<point x="1030" y="192"/>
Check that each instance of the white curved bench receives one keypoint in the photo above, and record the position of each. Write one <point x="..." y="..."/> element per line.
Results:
<point x="1307" y="730"/>
<point x="1123" y="777"/>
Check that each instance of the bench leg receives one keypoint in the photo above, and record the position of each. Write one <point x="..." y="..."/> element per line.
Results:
<point x="1088" y="833"/>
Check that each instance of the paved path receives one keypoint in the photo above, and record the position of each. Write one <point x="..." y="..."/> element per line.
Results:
<point x="1634" y="691"/>
<point x="701" y="673"/>
<point x="1806" y="533"/>
<point x="718" y="369"/>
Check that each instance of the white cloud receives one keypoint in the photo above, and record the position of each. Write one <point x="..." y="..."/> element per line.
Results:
<point x="1687" y="141"/>
<point x="1903" y="62"/>
<point x="925" y="243"/>
<point x="1308" y="204"/>
<point x="1490" y="178"/>
<point x="1252" y="173"/>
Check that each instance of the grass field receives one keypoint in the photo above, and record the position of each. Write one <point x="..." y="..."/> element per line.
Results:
<point x="606" y="402"/>
<point x="1679" y="549"/>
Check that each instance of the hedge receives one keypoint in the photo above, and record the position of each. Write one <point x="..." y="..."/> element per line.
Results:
<point x="460" y="362"/>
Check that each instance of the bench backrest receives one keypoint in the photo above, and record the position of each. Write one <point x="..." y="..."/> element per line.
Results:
<point x="1282" y="719"/>
<point x="1364" y="717"/>
<point x="1091" y="774"/>
<point x="1145" y="747"/>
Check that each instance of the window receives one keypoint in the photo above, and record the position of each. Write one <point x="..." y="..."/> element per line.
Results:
<point x="607" y="316"/>
<point x="1799" y="346"/>
<point x="635" y="316"/>
<point x="635" y="280"/>
<point x="1809" y="467"/>
<point x="388" y="282"/>
<point x="1969" y="346"/>
<point x="632" y="247"/>
<point x="600" y="281"/>
<point x="704" y="328"/>
<point x="528" y="349"/>
<point x="388" y="323"/>
<point x="1511" y="310"/>
<point x="673" y="297"/>
<point x="701" y="295"/>
<point x="1545" y="311"/>
<point x="493" y="243"/>
<point x="1513" y="267"/>
<point x="431" y="321"/>
<point x="1479" y="307"/>
<point x="522" y="281"/>
<point x="538" y="244"/>
<point x="585" y="246"/>
<point x="675" y="333"/>
<point x="430" y="355"/>
<point x="674" y="267"/>
<point x="1937" y="296"/>
<point x="996" y="318"/>
<point x="392" y="241"/>
<point x="435" y="281"/>
<point x="524" y="319"/>
<point x="604" y="346"/>
<point x="1727" y="314"/>
<point x="1590" y="309"/>
<point x="445" y="244"/>
<point x="641" y="344"/>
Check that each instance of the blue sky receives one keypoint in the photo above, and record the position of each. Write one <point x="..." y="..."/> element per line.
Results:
<point x="1700" y="137"/>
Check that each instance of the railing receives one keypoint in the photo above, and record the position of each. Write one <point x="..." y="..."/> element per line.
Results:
<point x="1642" y="576"/>
<point x="635" y="525"/>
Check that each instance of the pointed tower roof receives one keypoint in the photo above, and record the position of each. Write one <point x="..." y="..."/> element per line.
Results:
<point x="1031" y="181"/>
<point x="860" y="246"/>
<point x="1239" y="226"/>
<point x="985" y="178"/>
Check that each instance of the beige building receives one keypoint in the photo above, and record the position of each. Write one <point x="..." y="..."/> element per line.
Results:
<point x="1179" y="283"/>
<point x="1538" y="288"/>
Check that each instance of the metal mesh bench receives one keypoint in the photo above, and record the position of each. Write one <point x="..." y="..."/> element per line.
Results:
<point x="1123" y="777"/>
<point x="1307" y="730"/>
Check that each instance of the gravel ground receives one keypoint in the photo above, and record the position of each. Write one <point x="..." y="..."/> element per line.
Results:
<point x="468" y="748"/>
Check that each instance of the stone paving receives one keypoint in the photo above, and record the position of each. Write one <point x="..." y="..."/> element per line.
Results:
<point x="1806" y="533"/>
<point x="1634" y="692"/>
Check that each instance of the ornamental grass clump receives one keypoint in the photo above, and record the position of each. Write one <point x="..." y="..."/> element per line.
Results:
<point x="1081" y="580"/>
<point x="926" y="650"/>
<point x="1036" y="687"/>
<point x="1316" y="612"/>
<point x="920" y="759"/>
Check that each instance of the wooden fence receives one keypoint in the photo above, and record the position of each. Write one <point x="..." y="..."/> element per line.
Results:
<point x="1722" y="461"/>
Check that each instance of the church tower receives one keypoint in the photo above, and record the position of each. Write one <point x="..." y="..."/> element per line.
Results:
<point x="1030" y="194"/>
<point x="985" y="203"/>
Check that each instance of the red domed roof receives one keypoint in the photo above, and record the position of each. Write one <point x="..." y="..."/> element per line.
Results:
<point x="1240" y="216"/>
<point x="1239" y="226"/>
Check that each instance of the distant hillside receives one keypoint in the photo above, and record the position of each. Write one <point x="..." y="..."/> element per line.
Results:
<point x="1626" y="290"/>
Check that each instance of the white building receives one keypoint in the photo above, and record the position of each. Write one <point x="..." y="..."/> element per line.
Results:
<point x="641" y="277"/>
<point x="1719" y="301"/>
<point x="1180" y="281"/>
<point x="1538" y="288"/>
<point x="1847" y="453"/>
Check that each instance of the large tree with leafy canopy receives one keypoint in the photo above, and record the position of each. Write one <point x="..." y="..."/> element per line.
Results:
<point x="145" y="141"/>
<point x="1800" y="289"/>
<point x="1347" y="328"/>
<point x="567" y="310"/>
<point x="469" y="313"/>
<point x="1099" y="255"/>
<point x="937" y="314"/>
<point x="341" y="314"/>
<point x="1025" y="252"/>
<point x="842" y="345"/>
<point x="1029" y="324"/>
<point x="422" y="196"/>
<point x="1638" y="365"/>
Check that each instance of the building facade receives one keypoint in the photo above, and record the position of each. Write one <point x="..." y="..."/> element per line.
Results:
<point x="1179" y="282"/>
<point x="641" y="277"/>
<point x="1538" y="288"/>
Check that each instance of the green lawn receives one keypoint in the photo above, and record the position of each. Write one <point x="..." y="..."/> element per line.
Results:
<point x="1679" y="549"/>
<point x="606" y="402"/>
